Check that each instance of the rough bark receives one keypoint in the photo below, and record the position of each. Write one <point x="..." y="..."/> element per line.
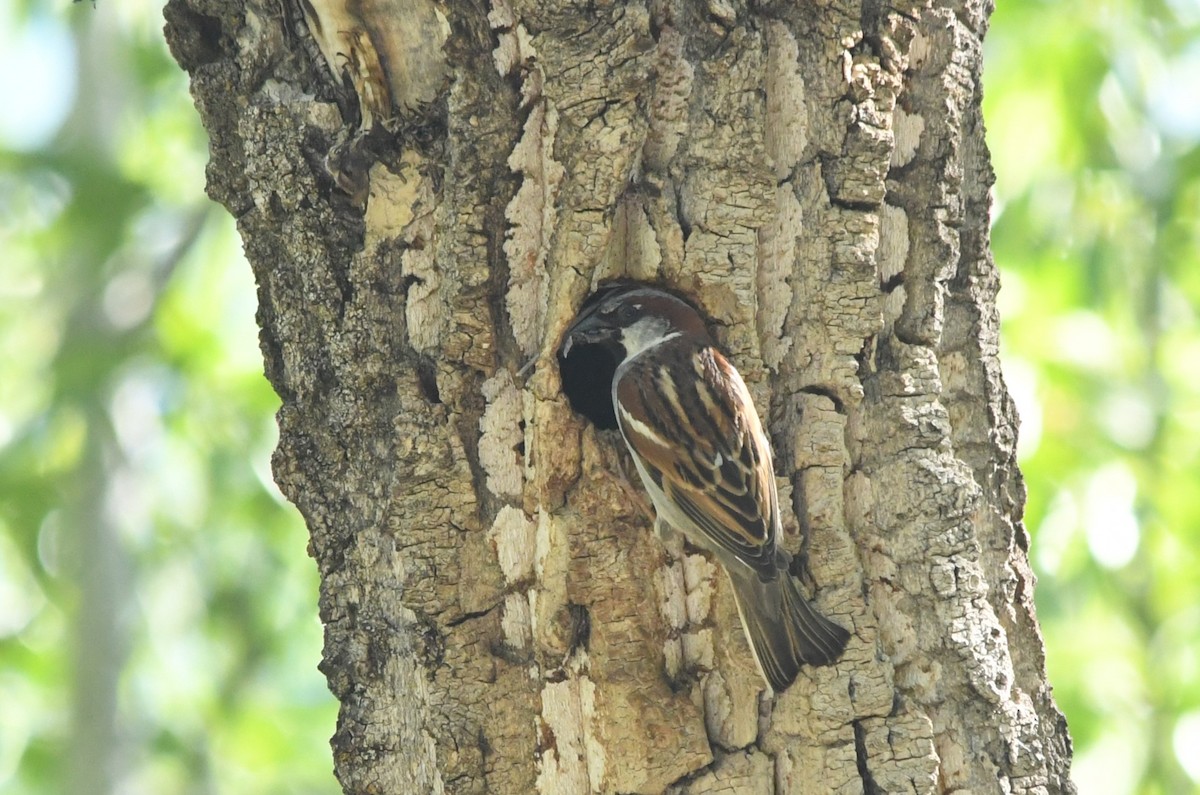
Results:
<point x="499" y="618"/>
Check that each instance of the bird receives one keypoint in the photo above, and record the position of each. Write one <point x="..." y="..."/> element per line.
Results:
<point x="703" y="456"/>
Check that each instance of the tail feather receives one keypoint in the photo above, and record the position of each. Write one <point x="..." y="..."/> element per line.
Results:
<point x="783" y="629"/>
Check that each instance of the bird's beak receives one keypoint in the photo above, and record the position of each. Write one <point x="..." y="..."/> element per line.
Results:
<point x="587" y="331"/>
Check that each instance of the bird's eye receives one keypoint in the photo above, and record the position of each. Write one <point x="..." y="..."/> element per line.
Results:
<point x="628" y="312"/>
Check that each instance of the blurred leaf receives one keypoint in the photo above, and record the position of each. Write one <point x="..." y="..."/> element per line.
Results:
<point x="134" y="415"/>
<point x="1097" y="221"/>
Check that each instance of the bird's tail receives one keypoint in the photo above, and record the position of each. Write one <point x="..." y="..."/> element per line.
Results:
<point x="784" y="630"/>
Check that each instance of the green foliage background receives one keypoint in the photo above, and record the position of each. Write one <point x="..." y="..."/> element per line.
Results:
<point x="158" y="627"/>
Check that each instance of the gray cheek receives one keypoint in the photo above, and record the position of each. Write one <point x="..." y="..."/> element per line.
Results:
<point x="647" y="333"/>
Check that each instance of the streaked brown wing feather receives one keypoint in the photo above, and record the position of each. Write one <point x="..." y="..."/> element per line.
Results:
<point x="721" y="477"/>
<point x="711" y="519"/>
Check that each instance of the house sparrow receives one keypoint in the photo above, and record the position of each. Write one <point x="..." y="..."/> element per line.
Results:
<point x="702" y="455"/>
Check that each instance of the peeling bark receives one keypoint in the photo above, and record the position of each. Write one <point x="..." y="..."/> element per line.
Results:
<point x="424" y="214"/>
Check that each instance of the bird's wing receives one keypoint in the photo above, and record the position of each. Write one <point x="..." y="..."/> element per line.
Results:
<point x="701" y="441"/>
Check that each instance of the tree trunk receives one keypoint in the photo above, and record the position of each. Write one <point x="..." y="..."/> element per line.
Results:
<point x="423" y="226"/>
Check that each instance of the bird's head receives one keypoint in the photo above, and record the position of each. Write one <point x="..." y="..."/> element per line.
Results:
<point x="636" y="320"/>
